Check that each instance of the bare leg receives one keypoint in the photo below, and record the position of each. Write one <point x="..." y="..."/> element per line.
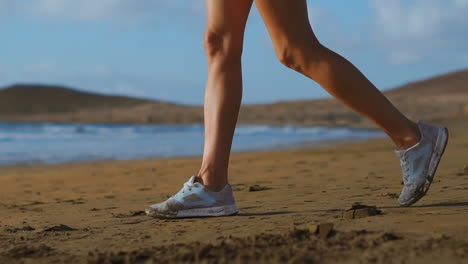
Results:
<point x="224" y="36"/>
<point x="298" y="48"/>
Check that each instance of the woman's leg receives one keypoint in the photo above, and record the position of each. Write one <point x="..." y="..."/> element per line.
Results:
<point x="224" y="36"/>
<point x="298" y="48"/>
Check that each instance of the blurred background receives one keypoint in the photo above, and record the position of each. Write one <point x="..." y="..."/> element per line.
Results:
<point x="153" y="50"/>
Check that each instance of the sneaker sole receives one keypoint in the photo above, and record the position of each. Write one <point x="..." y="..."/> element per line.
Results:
<point x="441" y="144"/>
<point x="225" y="210"/>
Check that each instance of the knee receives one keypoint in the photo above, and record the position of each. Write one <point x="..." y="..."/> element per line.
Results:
<point x="303" y="58"/>
<point x="222" y="46"/>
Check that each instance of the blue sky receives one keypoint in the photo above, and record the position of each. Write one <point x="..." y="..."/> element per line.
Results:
<point x="154" y="49"/>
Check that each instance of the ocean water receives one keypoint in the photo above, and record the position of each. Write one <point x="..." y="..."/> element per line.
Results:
<point x="48" y="143"/>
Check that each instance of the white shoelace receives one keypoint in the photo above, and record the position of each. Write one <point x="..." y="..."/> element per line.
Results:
<point x="189" y="186"/>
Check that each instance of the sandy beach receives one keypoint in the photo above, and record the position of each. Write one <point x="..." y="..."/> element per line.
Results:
<point x="92" y="212"/>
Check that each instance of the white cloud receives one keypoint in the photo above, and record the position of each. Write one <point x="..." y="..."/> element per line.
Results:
<point x="410" y="31"/>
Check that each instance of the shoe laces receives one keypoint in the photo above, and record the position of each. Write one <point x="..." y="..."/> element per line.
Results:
<point x="189" y="186"/>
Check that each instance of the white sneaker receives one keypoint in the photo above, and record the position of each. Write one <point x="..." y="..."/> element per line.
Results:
<point x="419" y="163"/>
<point x="195" y="200"/>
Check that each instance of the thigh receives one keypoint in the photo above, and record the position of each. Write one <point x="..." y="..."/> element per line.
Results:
<point x="287" y="21"/>
<point x="226" y="19"/>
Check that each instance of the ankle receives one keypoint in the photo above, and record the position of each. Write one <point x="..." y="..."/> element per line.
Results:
<point x="406" y="143"/>
<point x="409" y="139"/>
<point x="211" y="180"/>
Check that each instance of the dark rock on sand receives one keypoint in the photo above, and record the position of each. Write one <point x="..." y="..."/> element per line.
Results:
<point x="324" y="230"/>
<point x="16" y="229"/>
<point x="238" y="187"/>
<point x="59" y="228"/>
<point x="390" y="237"/>
<point x="257" y="188"/>
<point x="360" y="211"/>
<point x="392" y="195"/>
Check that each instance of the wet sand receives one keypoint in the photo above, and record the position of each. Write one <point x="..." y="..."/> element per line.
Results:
<point x="92" y="212"/>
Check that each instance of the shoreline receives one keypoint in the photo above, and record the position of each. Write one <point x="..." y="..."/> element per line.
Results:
<point x="306" y="145"/>
<point x="268" y="138"/>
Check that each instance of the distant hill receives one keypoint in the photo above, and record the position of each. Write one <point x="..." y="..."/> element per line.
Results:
<point x="435" y="98"/>
<point x="449" y="83"/>
<point x="33" y="99"/>
<point x="61" y="104"/>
